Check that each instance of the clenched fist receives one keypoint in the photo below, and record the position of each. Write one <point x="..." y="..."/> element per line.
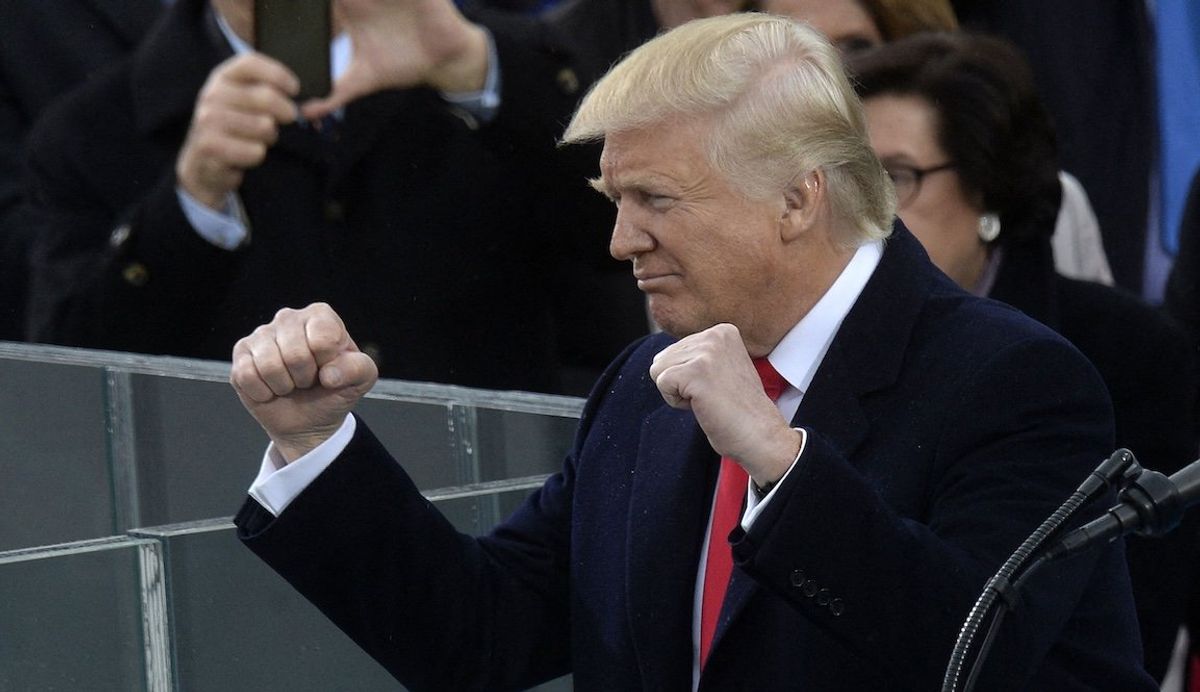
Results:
<point x="299" y="376"/>
<point x="236" y="119"/>
<point x="710" y="373"/>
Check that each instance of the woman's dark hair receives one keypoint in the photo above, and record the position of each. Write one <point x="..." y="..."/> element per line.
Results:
<point x="991" y="121"/>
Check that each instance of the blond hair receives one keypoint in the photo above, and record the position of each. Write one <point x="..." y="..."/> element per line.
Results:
<point x="780" y="103"/>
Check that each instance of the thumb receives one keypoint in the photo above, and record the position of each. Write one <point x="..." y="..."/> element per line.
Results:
<point x="353" y="84"/>
<point x="352" y="371"/>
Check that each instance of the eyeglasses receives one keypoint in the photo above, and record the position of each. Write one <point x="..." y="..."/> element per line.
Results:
<point x="907" y="180"/>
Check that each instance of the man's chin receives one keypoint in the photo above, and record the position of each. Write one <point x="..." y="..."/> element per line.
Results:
<point x="670" y="321"/>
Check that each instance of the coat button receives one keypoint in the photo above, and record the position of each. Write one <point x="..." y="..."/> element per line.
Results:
<point x="797" y="578"/>
<point x="823" y="597"/>
<point x="837" y="607"/>
<point x="567" y="80"/>
<point x="135" y="274"/>
<point x="334" y="211"/>
<point x="810" y="588"/>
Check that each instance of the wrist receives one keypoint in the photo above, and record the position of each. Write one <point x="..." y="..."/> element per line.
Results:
<point x="782" y="461"/>
<point x="213" y="199"/>
<point x="466" y="69"/>
<point x="292" y="447"/>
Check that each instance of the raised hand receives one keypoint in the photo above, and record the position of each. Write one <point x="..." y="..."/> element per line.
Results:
<point x="236" y="119"/>
<point x="405" y="43"/>
<point x="299" y="376"/>
<point x="710" y="373"/>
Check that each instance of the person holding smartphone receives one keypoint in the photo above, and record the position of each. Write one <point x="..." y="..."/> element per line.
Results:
<point x="184" y="197"/>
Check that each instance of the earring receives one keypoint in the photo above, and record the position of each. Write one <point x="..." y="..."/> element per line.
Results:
<point x="989" y="227"/>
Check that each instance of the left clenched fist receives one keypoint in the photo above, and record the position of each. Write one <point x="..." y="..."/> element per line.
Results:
<point x="710" y="373"/>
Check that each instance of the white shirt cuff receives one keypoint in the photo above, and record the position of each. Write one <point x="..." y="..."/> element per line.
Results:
<point x="483" y="104"/>
<point x="227" y="229"/>
<point x="278" y="482"/>
<point x="756" y="506"/>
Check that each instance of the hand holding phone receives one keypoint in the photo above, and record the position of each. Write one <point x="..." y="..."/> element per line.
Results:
<point x="236" y="119"/>
<point x="399" y="44"/>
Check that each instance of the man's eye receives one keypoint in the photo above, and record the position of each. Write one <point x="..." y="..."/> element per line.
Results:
<point x="659" y="202"/>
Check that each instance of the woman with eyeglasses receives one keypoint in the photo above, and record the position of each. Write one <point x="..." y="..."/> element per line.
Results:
<point x="956" y="122"/>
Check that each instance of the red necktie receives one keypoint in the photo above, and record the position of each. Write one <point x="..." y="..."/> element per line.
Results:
<point x="727" y="511"/>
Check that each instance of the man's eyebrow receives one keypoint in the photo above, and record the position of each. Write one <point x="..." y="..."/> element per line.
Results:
<point x="598" y="185"/>
<point x="638" y="183"/>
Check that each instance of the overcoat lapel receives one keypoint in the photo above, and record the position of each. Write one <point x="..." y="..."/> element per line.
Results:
<point x="669" y="506"/>
<point x="171" y="66"/>
<point x="866" y="356"/>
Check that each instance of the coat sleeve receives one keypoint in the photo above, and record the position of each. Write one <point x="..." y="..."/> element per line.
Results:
<point x="440" y="610"/>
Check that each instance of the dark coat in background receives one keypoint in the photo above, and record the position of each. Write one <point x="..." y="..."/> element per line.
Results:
<point x="46" y="48"/>
<point x="547" y="65"/>
<point x="1083" y="52"/>
<point x="944" y="429"/>
<point x="1182" y="300"/>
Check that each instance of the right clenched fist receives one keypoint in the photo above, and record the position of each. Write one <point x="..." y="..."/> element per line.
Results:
<point x="299" y="376"/>
<point x="236" y="119"/>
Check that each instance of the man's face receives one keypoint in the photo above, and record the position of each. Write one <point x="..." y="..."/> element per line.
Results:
<point x="702" y="252"/>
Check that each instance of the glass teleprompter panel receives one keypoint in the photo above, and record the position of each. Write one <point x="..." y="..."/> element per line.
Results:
<point x="84" y="616"/>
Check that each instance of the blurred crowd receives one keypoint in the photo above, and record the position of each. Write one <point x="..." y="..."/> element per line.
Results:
<point x="161" y="193"/>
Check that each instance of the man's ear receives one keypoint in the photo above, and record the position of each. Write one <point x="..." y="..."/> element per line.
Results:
<point x="804" y="202"/>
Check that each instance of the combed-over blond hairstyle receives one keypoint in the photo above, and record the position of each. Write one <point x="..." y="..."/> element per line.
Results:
<point x="780" y="104"/>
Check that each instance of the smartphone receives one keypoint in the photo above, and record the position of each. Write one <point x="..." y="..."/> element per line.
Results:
<point x="297" y="34"/>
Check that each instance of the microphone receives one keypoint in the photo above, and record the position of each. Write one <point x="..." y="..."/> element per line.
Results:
<point x="1150" y="505"/>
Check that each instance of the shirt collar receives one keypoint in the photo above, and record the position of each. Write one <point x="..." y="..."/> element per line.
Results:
<point x="799" y="353"/>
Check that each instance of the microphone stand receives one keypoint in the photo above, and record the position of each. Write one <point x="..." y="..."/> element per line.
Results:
<point x="1151" y="504"/>
<point x="1002" y="586"/>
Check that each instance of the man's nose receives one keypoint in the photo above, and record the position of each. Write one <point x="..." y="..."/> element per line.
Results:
<point x="629" y="238"/>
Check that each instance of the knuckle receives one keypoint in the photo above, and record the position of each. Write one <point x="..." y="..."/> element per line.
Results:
<point x="265" y="125"/>
<point x="324" y="337"/>
<point x="294" y="354"/>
